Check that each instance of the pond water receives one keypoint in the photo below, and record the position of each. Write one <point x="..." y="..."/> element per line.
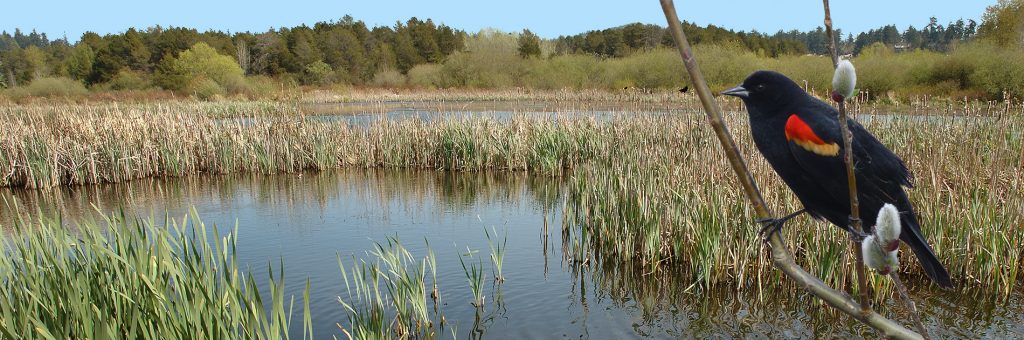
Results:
<point x="309" y="219"/>
<point x="365" y="113"/>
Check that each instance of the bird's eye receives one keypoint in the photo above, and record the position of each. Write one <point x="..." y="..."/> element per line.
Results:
<point x="760" y="87"/>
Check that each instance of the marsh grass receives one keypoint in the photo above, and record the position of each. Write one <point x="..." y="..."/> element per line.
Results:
<point x="498" y="248"/>
<point x="135" y="279"/>
<point x="659" y="192"/>
<point x="45" y="147"/>
<point x="387" y="295"/>
<point x="648" y="189"/>
<point x="474" y="276"/>
<point x="386" y="292"/>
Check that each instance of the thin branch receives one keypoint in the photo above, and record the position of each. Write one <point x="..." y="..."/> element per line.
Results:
<point x="851" y="177"/>
<point x="855" y="221"/>
<point x="781" y="256"/>
<point x="905" y="297"/>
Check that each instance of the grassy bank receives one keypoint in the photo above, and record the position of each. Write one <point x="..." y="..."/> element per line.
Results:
<point x="125" y="278"/>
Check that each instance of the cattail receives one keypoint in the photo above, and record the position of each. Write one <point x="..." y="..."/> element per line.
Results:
<point x="844" y="81"/>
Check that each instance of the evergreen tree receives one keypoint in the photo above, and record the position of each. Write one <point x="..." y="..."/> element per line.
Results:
<point x="529" y="44"/>
<point x="7" y="42"/>
<point x="913" y="37"/>
<point x="423" y="38"/>
<point x="123" y="51"/>
<point x="406" y="55"/>
<point x="302" y="47"/>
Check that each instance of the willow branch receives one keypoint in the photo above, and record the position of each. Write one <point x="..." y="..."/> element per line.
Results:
<point x="781" y="257"/>
<point x="905" y="297"/>
<point x="851" y="176"/>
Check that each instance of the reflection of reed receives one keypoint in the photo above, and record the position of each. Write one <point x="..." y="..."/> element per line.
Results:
<point x="667" y="306"/>
<point x="482" y="319"/>
<point x="545" y="234"/>
<point x="462" y="192"/>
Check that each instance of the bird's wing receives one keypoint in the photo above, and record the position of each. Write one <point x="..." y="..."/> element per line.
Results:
<point x="816" y="143"/>
<point x="879" y="163"/>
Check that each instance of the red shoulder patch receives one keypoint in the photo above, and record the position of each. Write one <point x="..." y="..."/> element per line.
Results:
<point x="800" y="133"/>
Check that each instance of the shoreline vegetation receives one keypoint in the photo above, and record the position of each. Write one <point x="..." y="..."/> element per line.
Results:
<point x="128" y="277"/>
<point x="642" y="188"/>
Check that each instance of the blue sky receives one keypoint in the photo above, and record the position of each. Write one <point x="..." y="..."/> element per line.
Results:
<point x="549" y="18"/>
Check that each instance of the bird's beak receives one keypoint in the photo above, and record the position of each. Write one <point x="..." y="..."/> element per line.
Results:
<point x="738" y="91"/>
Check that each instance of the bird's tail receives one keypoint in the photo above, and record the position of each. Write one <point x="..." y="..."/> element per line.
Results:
<point x="911" y="234"/>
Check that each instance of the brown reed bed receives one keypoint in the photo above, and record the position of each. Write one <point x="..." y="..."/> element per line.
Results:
<point x="628" y="94"/>
<point x="651" y="99"/>
<point x="44" y="147"/>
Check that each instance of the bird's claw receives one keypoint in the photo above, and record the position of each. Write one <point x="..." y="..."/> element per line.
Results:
<point x="858" y="236"/>
<point x="769" y="226"/>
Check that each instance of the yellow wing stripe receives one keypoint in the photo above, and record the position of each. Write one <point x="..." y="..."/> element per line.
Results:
<point x="831" y="149"/>
<point x="800" y="133"/>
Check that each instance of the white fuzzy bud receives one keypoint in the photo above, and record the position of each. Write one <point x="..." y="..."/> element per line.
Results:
<point x="877" y="258"/>
<point x="887" y="226"/>
<point x="844" y="81"/>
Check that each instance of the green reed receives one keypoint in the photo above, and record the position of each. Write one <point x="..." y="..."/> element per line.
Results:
<point x="475" y="276"/>
<point x="389" y="298"/>
<point x="498" y="249"/>
<point x="135" y="279"/>
<point x="386" y="293"/>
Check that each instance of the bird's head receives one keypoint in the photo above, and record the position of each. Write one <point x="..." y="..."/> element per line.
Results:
<point x="767" y="91"/>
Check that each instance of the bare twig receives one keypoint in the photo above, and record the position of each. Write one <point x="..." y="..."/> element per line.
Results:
<point x="851" y="177"/>
<point x="781" y="256"/>
<point x="905" y="297"/>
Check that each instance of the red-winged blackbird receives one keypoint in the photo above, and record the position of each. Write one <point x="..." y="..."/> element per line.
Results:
<point x="800" y="137"/>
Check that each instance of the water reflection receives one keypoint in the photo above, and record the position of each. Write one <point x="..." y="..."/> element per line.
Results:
<point x="554" y="288"/>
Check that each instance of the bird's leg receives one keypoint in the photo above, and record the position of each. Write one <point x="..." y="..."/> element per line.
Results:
<point x="770" y="226"/>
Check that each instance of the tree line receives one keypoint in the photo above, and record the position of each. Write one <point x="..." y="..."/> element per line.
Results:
<point x="628" y="39"/>
<point x="348" y="51"/>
